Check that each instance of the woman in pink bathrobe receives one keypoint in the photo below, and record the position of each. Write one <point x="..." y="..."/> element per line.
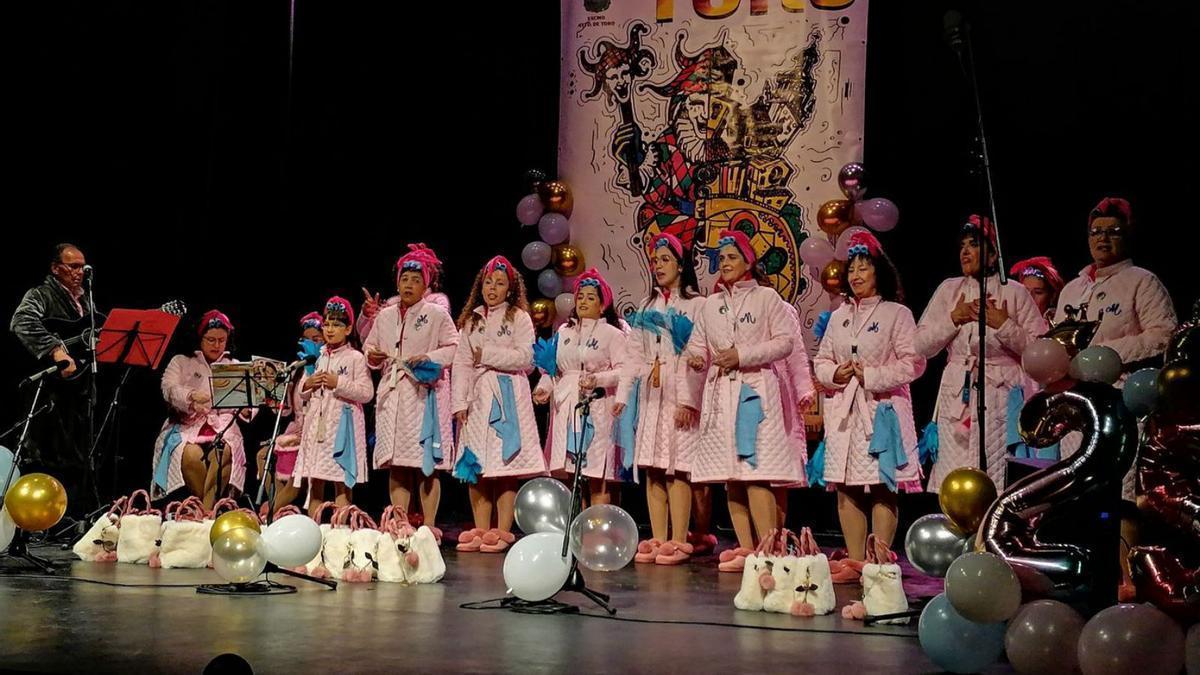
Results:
<point x="865" y="364"/>
<point x="373" y="304"/>
<point x="950" y="323"/>
<point x="658" y="401"/>
<point x="497" y="433"/>
<point x="333" y="443"/>
<point x="742" y="339"/>
<point x="588" y="354"/>
<point x="184" y="453"/>
<point x="412" y="343"/>
<point x="1135" y="313"/>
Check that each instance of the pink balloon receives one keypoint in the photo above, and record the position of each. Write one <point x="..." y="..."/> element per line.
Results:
<point x="1046" y="360"/>
<point x="843" y="241"/>
<point x="529" y="209"/>
<point x="816" y="251"/>
<point x="879" y="214"/>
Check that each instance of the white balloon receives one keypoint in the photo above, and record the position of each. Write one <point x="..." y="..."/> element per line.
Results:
<point x="564" y="304"/>
<point x="8" y="529"/>
<point x="535" y="568"/>
<point x="292" y="540"/>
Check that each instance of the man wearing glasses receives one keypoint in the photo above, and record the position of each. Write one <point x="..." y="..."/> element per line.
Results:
<point x="59" y="441"/>
<point x="1136" y="320"/>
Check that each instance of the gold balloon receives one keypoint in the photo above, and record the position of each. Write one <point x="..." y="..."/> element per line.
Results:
<point x="833" y="277"/>
<point x="36" y="502"/>
<point x="542" y="312"/>
<point x="834" y="216"/>
<point x="232" y="521"/>
<point x="568" y="260"/>
<point x="556" y="197"/>
<point x="965" y="496"/>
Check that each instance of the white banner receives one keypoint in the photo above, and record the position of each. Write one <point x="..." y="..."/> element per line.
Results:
<point x="691" y="116"/>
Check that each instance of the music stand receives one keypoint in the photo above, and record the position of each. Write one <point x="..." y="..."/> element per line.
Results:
<point x="134" y="338"/>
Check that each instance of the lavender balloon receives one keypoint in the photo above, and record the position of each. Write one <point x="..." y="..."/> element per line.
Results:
<point x="536" y="255"/>
<point x="549" y="283"/>
<point x="564" y="304"/>
<point x="554" y="228"/>
<point x="879" y="214"/>
<point x="529" y="209"/>
<point x="1131" y="639"/>
<point x="1046" y="360"/>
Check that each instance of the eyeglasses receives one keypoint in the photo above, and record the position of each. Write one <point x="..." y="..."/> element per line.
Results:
<point x="75" y="267"/>
<point x="1111" y="233"/>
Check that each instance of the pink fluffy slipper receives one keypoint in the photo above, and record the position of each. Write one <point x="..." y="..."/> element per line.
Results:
<point x="466" y="536"/>
<point x="731" y="553"/>
<point x="674" y="553"/>
<point x="496" y="541"/>
<point x="737" y="564"/>
<point x="848" y="572"/>
<point x="470" y="546"/>
<point x="702" y="544"/>
<point x="647" y="551"/>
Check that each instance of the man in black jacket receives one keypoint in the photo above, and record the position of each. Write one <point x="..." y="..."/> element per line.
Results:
<point x="59" y="441"/>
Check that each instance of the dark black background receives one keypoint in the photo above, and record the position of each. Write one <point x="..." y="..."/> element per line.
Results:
<point x="157" y="136"/>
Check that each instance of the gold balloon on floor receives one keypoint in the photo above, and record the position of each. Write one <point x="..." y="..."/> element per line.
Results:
<point x="36" y="502"/>
<point x="232" y="521"/>
<point x="965" y="496"/>
<point x="833" y="277"/>
<point x="542" y="312"/>
<point x="556" y="197"/>
<point x="568" y="260"/>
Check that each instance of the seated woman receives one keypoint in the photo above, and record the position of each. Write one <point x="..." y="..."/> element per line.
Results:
<point x="185" y="453"/>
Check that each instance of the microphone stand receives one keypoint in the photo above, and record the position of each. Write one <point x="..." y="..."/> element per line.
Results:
<point x="93" y="394"/>
<point x="19" y="548"/>
<point x="963" y="49"/>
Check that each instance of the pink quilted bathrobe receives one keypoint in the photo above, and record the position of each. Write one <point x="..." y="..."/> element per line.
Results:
<point x="183" y="376"/>
<point x="366" y="323"/>
<point x="797" y="380"/>
<point x="425" y="328"/>
<point x="324" y="414"/>
<point x="597" y="348"/>
<point x="754" y="319"/>
<point x="506" y="351"/>
<point x="1136" y="320"/>
<point x="658" y="443"/>
<point x="879" y="335"/>
<point x="957" y="434"/>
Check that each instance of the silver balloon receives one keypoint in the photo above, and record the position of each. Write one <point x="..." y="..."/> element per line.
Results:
<point x="543" y="505"/>
<point x="604" y="538"/>
<point x="933" y="543"/>
<point x="983" y="588"/>
<point x="1010" y="527"/>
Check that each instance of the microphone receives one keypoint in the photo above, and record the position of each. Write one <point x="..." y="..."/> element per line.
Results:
<point x="954" y="28"/>
<point x="87" y="275"/>
<point x="593" y="395"/>
<point x="308" y="360"/>
<point x="49" y="370"/>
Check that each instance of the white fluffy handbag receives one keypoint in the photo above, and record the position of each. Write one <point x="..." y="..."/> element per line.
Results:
<point x="395" y="560"/>
<point x="335" y="554"/>
<point x="364" y="544"/>
<point x="140" y="529"/>
<point x="883" y="588"/>
<point x="431" y="567"/>
<point x="185" y="542"/>
<point x="99" y="544"/>
<point x="759" y="580"/>
<point x="812" y="579"/>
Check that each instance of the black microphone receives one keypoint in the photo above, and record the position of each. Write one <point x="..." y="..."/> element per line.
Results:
<point x="296" y="365"/>
<point x="591" y="396"/>
<point x="50" y="370"/>
<point x="954" y="29"/>
<point x="87" y="275"/>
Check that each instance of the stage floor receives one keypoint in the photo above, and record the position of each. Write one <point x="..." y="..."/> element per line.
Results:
<point x="72" y="626"/>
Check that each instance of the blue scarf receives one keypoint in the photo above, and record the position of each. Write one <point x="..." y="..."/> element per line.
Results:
<point x="887" y="445"/>
<point x="503" y="418"/>
<point x="170" y="443"/>
<point x="625" y="430"/>
<point x="343" y="447"/>
<point x="745" y="426"/>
